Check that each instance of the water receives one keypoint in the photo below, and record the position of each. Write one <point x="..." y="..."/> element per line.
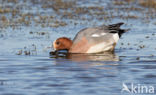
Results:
<point x="38" y="73"/>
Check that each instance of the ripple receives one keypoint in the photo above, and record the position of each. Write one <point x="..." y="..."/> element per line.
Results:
<point x="149" y="67"/>
<point x="150" y="76"/>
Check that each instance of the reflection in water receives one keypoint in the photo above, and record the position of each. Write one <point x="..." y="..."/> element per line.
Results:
<point x="106" y="56"/>
<point x="84" y="62"/>
<point x="93" y="57"/>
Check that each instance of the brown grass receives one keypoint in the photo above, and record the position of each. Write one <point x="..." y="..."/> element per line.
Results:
<point x="117" y="2"/>
<point x="69" y="9"/>
<point x="148" y="3"/>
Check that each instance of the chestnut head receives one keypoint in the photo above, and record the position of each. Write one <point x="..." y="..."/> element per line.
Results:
<point x="62" y="43"/>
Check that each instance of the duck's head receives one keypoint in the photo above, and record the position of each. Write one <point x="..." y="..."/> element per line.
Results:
<point x="62" y="43"/>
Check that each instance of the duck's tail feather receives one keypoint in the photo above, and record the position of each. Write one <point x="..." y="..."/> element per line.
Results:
<point x="115" y="28"/>
<point x="121" y="31"/>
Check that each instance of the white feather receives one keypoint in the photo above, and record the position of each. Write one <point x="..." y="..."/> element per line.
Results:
<point x="116" y="37"/>
<point x="103" y="34"/>
<point x="100" y="47"/>
<point x="95" y="35"/>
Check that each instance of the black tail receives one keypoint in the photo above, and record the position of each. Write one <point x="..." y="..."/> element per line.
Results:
<point x="115" y="28"/>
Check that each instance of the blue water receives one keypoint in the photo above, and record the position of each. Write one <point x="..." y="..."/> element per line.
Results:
<point x="41" y="75"/>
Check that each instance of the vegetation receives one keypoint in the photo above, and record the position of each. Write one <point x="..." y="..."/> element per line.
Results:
<point x="14" y="14"/>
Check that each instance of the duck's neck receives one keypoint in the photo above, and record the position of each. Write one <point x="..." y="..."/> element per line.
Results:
<point x="68" y="44"/>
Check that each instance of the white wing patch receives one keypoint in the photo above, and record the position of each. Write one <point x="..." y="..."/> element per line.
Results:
<point x="98" y="35"/>
<point x="95" y="35"/>
<point x="103" y="34"/>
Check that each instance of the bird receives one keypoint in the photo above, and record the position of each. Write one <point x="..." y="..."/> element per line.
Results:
<point x="92" y="39"/>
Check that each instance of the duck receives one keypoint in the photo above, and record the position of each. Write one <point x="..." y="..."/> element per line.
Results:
<point x="92" y="39"/>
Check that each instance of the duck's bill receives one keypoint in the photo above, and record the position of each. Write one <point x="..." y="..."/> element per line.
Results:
<point x="57" y="52"/>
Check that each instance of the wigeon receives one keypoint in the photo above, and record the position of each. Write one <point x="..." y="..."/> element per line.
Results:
<point x="91" y="40"/>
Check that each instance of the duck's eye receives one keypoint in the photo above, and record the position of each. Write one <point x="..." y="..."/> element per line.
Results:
<point x="57" y="43"/>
